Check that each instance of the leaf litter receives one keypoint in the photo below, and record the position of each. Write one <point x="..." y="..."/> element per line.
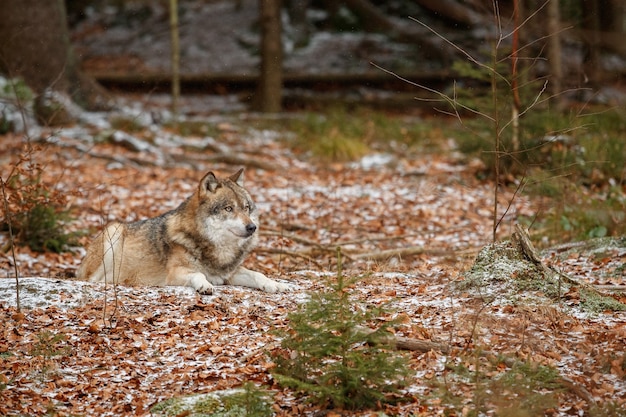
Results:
<point x="122" y="350"/>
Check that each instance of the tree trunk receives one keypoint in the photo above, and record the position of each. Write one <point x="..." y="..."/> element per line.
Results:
<point x="35" y="45"/>
<point x="269" y="91"/>
<point x="612" y="15"/>
<point x="175" y="41"/>
<point x="591" y="27"/>
<point x="554" y="53"/>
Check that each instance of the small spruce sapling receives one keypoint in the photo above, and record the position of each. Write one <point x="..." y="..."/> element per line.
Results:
<point x="327" y="354"/>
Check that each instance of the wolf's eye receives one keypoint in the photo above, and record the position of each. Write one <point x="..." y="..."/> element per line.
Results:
<point x="228" y="208"/>
<point x="246" y="207"/>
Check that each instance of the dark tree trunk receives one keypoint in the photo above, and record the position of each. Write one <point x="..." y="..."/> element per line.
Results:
<point x="553" y="25"/>
<point x="35" y="45"/>
<point x="269" y="91"/>
<point x="591" y="27"/>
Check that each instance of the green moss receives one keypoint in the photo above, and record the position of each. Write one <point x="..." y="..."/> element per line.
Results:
<point x="249" y="401"/>
<point x="595" y="303"/>
<point x="345" y="134"/>
<point x="500" y="262"/>
<point x="126" y="124"/>
<point x="194" y="128"/>
<point x="502" y="270"/>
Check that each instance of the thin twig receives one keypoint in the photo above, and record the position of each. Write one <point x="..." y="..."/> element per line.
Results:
<point x="12" y="243"/>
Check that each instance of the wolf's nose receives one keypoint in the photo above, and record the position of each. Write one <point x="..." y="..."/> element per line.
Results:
<point x="250" y="228"/>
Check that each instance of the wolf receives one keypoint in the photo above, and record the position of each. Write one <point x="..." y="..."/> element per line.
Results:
<point x="200" y="244"/>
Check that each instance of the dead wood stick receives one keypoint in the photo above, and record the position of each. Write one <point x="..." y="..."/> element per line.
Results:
<point x="296" y="238"/>
<point x="400" y="252"/>
<point x="614" y="288"/>
<point x="294" y="254"/>
<point x="405" y="343"/>
<point x="373" y="239"/>
<point x="577" y="389"/>
<point x="290" y="227"/>
<point x="87" y="151"/>
<point x="225" y="158"/>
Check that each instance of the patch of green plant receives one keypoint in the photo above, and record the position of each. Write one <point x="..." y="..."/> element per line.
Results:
<point x="586" y="145"/>
<point x="596" y="303"/>
<point x="15" y="89"/>
<point x="587" y="149"/>
<point x="524" y="389"/>
<point x="37" y="213"/>
<point x="577" y="214"/>
<point x="42" y="228"/>
<point x="194" y="128"/>
<point x="335" y="136"/>
<point x="126" y="124"/>
<point x="343" y="134"/>
<point x="6" y="355"/>
<point x="329" y="354"/>
<point x="49" y="345"/>
<point x="5" y="382"/>
<point x="250" y="401"/>
<point x="41" y="221"/>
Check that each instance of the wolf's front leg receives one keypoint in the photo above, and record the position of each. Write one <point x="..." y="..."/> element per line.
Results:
<point x="187" y="278"/>
<point x="253" y="279"/>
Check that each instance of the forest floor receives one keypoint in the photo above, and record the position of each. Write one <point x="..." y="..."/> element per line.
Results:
<point x="85" y="349"/>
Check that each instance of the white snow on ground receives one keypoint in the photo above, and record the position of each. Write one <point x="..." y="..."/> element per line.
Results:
<point x="39" y="292"/>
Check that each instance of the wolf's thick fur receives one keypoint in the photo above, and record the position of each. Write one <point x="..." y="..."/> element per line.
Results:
<point x="200" y="244"/>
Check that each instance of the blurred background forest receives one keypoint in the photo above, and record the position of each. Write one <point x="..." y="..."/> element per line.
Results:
<point x="533" y="89"/>
<point x="323" y="45"/>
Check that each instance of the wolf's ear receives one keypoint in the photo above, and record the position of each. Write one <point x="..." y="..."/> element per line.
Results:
<point x="237" y="177"/>
<point x="209" y="183"/>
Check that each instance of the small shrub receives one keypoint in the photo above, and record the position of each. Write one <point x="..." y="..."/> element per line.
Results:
<point x="327" y="354"/>
<point x="335" y="136"/>
<point x="34" y="211"/>
<point x="42" y="228"/>
<point x="49" y="345"/>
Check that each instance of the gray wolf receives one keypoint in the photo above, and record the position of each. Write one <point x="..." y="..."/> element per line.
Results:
<point x="201" y="243"/>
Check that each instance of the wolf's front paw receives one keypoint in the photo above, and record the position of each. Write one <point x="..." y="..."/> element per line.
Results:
<point x="274" y="286"/>
<point x="200" y="284"/>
